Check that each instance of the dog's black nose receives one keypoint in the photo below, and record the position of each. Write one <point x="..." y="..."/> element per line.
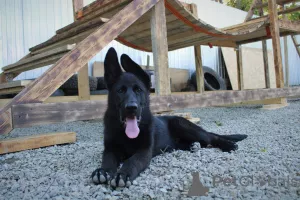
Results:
<point x="131" y="106"/>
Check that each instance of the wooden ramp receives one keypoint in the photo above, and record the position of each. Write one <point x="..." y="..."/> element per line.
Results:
<point x="130" y="22"/>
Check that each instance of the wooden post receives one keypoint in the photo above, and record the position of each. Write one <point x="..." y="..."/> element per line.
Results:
<point x="83" y="74"/>
<point x="276" y="43"/>
<point x="286" y="54"/>
<point x="160" y="49"/>
<point x="239" y="61"/>
<point x="198" y="59"/>
<point x="83" y="84"/>
<point x="265" y="52"/>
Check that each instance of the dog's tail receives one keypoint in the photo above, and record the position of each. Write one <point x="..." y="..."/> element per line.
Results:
<point x="234" y="138"/>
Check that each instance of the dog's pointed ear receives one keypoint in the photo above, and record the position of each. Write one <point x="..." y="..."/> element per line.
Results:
<point x="130" y="66"/>
<point x="112" y="68"/>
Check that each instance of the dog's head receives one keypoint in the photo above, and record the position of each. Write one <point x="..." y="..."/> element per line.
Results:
<point x="128" y="91"/>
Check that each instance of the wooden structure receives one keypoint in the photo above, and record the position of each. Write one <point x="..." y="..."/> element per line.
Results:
<point x="156" y="26"/>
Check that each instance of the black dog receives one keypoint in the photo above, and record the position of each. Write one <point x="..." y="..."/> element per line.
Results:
<point x="132" y="135"/>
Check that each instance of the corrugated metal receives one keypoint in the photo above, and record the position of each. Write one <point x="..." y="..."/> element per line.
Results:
<point x="25" y="23"/>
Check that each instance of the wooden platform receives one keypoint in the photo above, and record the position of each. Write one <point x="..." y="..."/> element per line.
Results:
<point x="13" y="87"/>
<point x="183" y="28"/>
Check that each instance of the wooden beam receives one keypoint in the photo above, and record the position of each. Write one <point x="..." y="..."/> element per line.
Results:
<point x="40" y="56"/>
<point x="286" y="53"/>
<point x="251" y="10"/>
<point x="109" y="5"/>
<point x="198" y="58"/>
<point x="239" y="60"/>
<point x="73" y="61"/>
<point x="160" y="49"/>
<point x="280" y="2"/>
<point x="296" y="44"/>
<point x="36" y="141"/>
<point x="199" y="69"/>
<point x="83" y="74"/>
<point x="25" y="115"/>
<point x="276" y="43"/>
<point x="35" y="64"/>
<point x="83" y="83"/>
<point x="265" y="54"/>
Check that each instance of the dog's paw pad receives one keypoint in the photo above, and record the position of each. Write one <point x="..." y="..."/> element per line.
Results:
<point x="99" y="176"/>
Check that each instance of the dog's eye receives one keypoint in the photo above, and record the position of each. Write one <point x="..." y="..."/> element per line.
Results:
<point x="121" y="90"/>
<point x="137" y="89"/>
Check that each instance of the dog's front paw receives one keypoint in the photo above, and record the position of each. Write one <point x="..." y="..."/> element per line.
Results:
<point x="120" y="180"/>
<point x="101" y="176"/>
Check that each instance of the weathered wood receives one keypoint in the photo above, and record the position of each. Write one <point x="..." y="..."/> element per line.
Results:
<point x="25" y="115"/>
<point x="36" y="141"/>
<point x="276" y="43"/>
<point x="286" y="53"/>
<point x="72" y="32"/>
<point x="160" y="49"/>
<point x="95" y="13"/>
<point x="266" y="63"/>
<point x="83" y="83"/>
<point x="35" y="64"/>
<point x="251" y="10"/>
<point x="37" y="57"/>
<point x="280" y="2"/>
<point x="265" y="54"/>
<point x="290" y="10"/>
<point x="77" y="5"/>
<point x="73" y="61"/>
<point x="296" y="44"/>
<point x="198" y="57"/>
<point x="12" y="84"/>
<point x="199" y="69"/>
<point x="239" y="60"/>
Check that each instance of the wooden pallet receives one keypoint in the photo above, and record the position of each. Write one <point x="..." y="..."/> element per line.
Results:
<point x="297" y="44"/>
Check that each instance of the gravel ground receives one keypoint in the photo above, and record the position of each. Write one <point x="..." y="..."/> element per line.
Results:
<point x="272" y="149"/>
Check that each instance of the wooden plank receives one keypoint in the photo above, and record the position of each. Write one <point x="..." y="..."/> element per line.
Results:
<point x="83" y="83"/>
<point x="73" y="61"/>
<point x="36" y="141"/>
<point x="40" y="56"/>
<point x="19" y="83"/>
<point x="25" y="115"/>
<point x="72" y="32"/>
<point x="286" y="53"/>
<point x="96" y="13"/>
<point x="276" y="43"/>
<point x="290" y="10"/>
<point x="251" y="10"/>
<point x="265" y="54"/>
<point x="198" y="57"/>
<point x="83" y="74"/>
<point x="13" y="90"/>
<point x="77" y="5"/>
<point x="160" y="49"/>
<point x="266" y="64"/>
<point x="36" y="64"/>
<point x="280" y="2"/>
<point x="296" y="44"/>
<point x="239" y="60"/>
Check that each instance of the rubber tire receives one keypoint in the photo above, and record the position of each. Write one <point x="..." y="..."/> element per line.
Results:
<point x="212" y="81"/>
<point x="72" y="83"/>
<point x="100" y="83"/>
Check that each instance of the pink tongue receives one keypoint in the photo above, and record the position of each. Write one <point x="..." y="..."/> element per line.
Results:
<point x="132" y="130"/>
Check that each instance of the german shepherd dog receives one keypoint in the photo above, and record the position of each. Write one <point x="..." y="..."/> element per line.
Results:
<point x="132" y="135"/>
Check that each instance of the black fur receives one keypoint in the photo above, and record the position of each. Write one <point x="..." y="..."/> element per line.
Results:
<point x="157" y="134"/>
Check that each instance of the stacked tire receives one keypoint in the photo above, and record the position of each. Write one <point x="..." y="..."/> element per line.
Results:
<point x="212" y="81"/>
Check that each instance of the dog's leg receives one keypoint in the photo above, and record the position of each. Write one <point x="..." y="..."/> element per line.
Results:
<point x="188" y="131"/>
<point x="131" y="168"/>
<point x="109" y="166"/>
